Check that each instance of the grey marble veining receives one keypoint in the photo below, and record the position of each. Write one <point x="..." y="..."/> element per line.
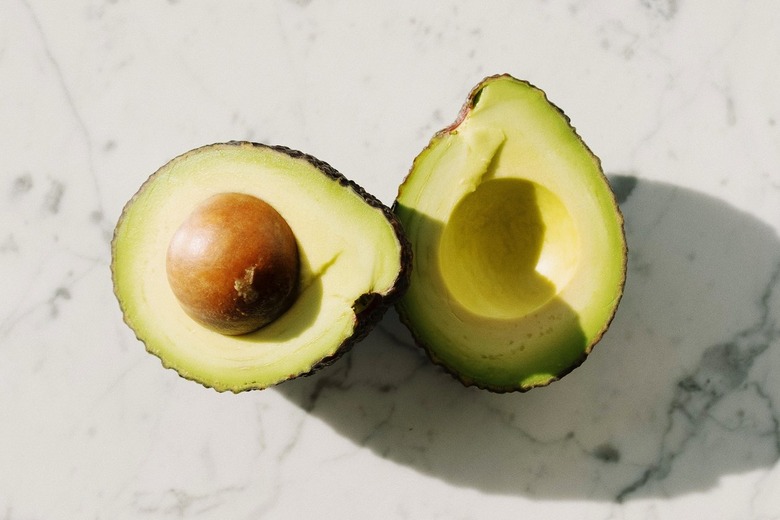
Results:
<point x="676" y="414"/>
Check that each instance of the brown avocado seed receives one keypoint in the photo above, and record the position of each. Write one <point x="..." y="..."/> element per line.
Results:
<point x="233" y="264"/>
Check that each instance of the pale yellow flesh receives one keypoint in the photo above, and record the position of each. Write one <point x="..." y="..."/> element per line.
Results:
<point x="518" y="243"/>
<point x="347" y="249"/>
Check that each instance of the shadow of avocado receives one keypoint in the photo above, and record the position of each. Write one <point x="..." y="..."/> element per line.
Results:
<point x="677" y="394"/>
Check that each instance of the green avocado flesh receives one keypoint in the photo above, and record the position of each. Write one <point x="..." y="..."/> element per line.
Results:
<point x="353" y="264"/>
<point x="518" y="244"/>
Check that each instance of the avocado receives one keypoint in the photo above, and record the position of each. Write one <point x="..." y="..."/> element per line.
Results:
<point x="242" y="265"/>
<point x="519" y="253"/>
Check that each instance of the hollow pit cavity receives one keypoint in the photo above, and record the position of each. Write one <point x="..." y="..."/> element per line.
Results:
<point x="509" y="247"/>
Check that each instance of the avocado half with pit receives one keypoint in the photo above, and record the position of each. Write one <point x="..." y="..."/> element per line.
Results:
<point x="242" y="265"/>
<point x="519" y="252"/>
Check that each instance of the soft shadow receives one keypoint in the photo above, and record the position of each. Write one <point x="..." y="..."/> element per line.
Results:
<point x="301" y="314"/>
<point x="676" y="395"/>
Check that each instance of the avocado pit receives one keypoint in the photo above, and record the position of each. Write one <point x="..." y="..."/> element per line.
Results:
<point x="233" y="264"/>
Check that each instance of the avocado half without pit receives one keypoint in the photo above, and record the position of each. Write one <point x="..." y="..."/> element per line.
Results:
<point x="242" y="265"/>
<point x="519" y="254"/>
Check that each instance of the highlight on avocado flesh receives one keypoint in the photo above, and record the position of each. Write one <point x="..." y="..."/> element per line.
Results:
<point x="242" y="265"/>
<point x="233" y="264"/>
<point x="518" y="243"/>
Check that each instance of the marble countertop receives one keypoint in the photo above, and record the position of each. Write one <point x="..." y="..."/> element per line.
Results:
<point x="675" y="415"/>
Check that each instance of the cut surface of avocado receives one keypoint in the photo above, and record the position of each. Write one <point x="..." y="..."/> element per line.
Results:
<point x="353" y="264"/>
<point x="518" y="243"/>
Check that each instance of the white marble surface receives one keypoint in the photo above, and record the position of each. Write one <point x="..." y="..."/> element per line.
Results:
<point x="675" y="415"/>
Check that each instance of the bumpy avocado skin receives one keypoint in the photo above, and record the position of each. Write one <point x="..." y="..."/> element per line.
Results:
<point x="414" y="323"/>
<point x="369" y="308"/>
